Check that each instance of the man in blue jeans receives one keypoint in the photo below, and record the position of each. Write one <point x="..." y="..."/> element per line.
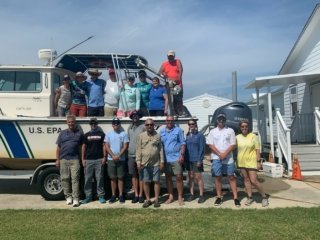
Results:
<point x="222" y="141"/>
<point x="93" y="160"/>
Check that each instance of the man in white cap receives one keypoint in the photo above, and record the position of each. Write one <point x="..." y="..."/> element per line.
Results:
<point x="172" y="70"/>
<point x="112" y="95"/>
<point x="96" y="93"/>
<point x="222" y="141"/>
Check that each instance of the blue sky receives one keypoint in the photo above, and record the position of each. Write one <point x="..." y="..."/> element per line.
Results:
<point x="212" y="38"/>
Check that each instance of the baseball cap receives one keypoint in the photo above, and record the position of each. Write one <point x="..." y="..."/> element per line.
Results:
<point x="116" y="121"/>
<point x="171" y="53"/>
<point x="66" y="77"/>
<point x="111" y="71"/>
<point x="221" y="115"/>
<point x="93" y="121"/>
<point x="137" y="113"/>
<point x="142" y="73"/>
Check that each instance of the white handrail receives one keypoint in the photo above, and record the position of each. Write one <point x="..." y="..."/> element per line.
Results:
<point x="284" y="139"/>
<point x="317" y="124"/>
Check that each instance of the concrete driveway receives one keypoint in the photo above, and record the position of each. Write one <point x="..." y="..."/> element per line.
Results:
<point x="18" y="194"/>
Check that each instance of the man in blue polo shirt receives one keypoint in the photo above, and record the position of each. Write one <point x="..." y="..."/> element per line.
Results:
<point x="68" y="159"/>
<point x="173" y="141"/>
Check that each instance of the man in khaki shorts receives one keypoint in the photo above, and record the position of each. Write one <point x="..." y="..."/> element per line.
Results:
<point x="150" y="161"/>
<point x="173" y="142"/>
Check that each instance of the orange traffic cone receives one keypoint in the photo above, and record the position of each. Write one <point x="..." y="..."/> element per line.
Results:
<point x="271" y="160"/>
<point x="296" y="170"/>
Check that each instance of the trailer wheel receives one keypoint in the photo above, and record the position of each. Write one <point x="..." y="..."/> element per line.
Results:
<point x="49" y="184"/>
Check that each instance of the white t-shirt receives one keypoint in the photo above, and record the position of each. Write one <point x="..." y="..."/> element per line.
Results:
<point x="222" y="139"/>
<point x="112" y="94"/>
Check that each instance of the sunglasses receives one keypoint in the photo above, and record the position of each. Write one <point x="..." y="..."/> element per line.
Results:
<point x="93" y="123"/>
<point x="191" y="124"/>
<point x="115" y="124"/>
<point x="148" y="124"/>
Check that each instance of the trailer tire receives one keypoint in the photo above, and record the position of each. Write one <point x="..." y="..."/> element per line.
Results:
<point x="49" y="184"/>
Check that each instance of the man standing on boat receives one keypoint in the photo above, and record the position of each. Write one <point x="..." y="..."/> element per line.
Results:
<point x="173" y="142"/>
<point x="112" y="95"/>
<point x="172" y="70"/>
<point x="68" y="160"/>
<point x="96" y="93"/>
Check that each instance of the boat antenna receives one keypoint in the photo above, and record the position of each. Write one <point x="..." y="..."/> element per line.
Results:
<point x="74" y="47"/>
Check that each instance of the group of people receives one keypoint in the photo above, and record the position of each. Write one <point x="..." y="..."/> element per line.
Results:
<point x="150" y="153"/>
<point x="97" y="97"/>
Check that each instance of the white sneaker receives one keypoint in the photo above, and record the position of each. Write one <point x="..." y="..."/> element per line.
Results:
<point x="76" y="203"/>
<point x="69" y="201"/>
<point x="265" y="202"/>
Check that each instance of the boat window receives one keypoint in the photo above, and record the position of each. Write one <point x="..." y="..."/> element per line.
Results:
<point x="56" y="81"/>
<point x="19" y="81"/>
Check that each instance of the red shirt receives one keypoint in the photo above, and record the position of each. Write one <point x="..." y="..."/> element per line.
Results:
<point x="172" y="70"/>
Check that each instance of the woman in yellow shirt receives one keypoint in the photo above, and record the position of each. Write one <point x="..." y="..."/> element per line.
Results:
<point x="248" y="156"/>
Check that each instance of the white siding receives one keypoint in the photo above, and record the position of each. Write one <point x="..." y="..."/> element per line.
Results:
<point x="204" y="105"/>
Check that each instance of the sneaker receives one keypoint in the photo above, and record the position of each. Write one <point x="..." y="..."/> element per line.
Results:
<point x="237" y="202"/>
<point x="69" y="200"/>
<point x="122" y="199"/>
<point x="86" y="200"/>
<point x="147" y="204"/>
<point x="218" y="201"/>
<point x="102" y="200"/>
<point x="76" y="203"/>
<point x="141" y="199"/>
<point x="135" y="199"/>
<point x="265" y="202"/>
<point x="113" y="199"/>
<point x="156" y="204"/>
<point x="249" y="201"/>
<point x="190" y="198"/>
<point x="201" y="199"/>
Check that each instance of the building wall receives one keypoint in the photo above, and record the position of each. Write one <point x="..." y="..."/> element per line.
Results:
<point x="203" y="106"/>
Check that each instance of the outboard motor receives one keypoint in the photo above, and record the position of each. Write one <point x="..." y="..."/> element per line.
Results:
<point x="235" y="112"/>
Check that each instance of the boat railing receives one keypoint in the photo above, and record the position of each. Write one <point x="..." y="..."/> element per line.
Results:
<point x="284" y="139"/>
<point x="317" y="124"/>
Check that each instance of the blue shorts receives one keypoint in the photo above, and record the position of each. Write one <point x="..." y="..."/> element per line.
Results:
<point x="150" y="174"/>
<point x="217" y="168"/>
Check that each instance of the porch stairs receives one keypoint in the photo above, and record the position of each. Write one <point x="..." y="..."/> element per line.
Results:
<point x="309" y="158"/>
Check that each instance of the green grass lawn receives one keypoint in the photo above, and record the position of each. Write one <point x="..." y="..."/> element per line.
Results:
<point x="212" y="223"/>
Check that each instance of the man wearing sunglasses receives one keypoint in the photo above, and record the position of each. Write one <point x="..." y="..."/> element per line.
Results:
<point x="173" y="141"/>
<point x="93" y="160"/>
<point x="116" y="144"/>
<point x="150" y="161"/>
<point x="221" y="141"/>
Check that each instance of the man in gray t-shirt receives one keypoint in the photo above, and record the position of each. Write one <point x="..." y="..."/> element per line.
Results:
<point x="134" y="131"/>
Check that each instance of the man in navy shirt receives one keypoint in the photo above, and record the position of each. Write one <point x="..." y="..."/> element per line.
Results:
<point x="68" y="159"/>
<point x="93" y="160"/>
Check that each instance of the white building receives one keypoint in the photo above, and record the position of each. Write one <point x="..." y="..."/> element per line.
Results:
<point x="298" y="80"/>
<point x="204" y="106"/>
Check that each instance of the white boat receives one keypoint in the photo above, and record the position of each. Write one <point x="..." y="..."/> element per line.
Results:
<point x="28" y="125"/>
